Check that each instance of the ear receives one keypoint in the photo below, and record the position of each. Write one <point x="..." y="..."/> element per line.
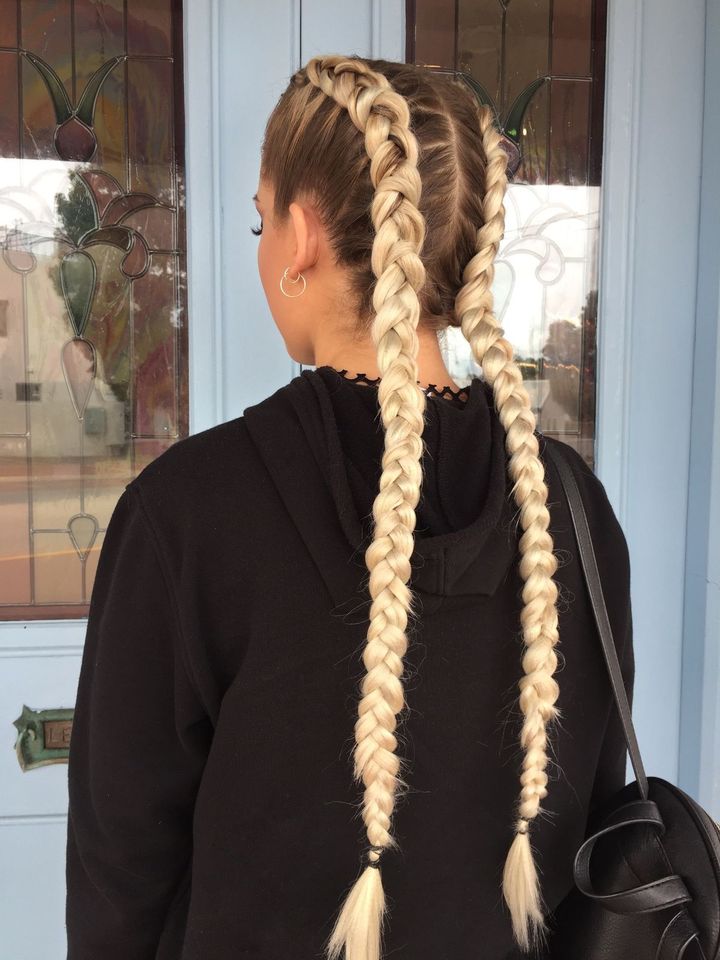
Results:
<point x="307" y="237"/>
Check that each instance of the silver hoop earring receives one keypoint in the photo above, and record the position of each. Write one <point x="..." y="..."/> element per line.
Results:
<point x="290" y="280"/>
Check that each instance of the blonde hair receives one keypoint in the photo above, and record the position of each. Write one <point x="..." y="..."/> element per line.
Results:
<point x="380" y="223"/>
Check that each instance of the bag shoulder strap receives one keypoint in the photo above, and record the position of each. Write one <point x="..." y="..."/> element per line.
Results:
<point x="597" y="599"/>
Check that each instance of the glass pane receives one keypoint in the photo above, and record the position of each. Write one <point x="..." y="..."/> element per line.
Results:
<point x="93" y="341"/>
<point x="546" y="268"/>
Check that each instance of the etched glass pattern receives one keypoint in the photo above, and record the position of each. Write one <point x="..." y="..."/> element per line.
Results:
<point x="541" y="64"/>
<point x="93" y="338"/>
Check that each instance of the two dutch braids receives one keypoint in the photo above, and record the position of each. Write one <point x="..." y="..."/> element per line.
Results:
<point x="382" y="115"/>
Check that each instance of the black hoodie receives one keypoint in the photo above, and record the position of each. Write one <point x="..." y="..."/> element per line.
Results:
<point x="213" y="814"/>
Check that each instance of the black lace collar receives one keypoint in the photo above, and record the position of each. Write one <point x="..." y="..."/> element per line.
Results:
<point x="432" y="389"/>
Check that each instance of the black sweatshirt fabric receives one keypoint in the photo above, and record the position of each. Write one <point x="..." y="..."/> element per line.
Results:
<point x="212" y="809"/>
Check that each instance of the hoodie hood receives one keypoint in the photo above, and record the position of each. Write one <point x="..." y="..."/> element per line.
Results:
<point x="465" y="536"/>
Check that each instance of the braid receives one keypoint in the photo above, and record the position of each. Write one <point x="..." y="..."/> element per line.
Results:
<point x="383" y="116"/>
<point x="328" y="162"/>
<point x="539" y="691"/>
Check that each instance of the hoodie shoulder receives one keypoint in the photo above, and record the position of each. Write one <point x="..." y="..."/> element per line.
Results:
<point x="590" y="484"/>
<point x="608" y="536"/>
<point x="196" y="458"/>
<point x="222" y="459"/>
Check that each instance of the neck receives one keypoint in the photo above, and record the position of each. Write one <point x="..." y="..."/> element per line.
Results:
<point x="361" y="357"/>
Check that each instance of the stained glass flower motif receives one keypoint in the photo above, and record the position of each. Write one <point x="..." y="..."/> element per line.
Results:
<point x="74" y="136"/>
<point x="85" y="226"/>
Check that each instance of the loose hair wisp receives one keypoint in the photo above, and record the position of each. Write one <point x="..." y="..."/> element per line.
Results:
<point x="337" y="114"/>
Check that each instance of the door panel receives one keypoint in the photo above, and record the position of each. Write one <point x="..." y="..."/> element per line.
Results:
<point x="94" y="375"/>
<point x="29" y="684"/>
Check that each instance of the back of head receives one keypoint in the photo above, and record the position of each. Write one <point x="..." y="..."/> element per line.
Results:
<point x="407" y="171"/>
<point x="314" y="148"/>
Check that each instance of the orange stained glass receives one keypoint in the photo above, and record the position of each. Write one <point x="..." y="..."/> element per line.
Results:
<point x="93" y="295"/>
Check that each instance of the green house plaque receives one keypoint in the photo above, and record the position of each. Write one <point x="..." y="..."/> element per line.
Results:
<point x="43" y="736"/>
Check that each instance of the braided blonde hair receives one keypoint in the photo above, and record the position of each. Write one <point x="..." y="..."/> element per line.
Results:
<point x="451" y="284"/>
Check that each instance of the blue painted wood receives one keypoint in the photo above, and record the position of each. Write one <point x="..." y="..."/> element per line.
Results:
<point x="257" y="51"/>
<point x="250" y="356"/>
<point x="700" y="713"/>
<point x="647" y="304"/>
<point x="202" y="138"/>
<point x="375" y="28"/>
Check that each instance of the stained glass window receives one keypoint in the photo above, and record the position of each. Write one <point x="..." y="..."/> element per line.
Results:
<point x="93" y="332"/>
<point x="541" y="65"/>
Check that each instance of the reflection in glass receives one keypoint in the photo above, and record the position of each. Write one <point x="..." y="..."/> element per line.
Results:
<point x="546" y="269"/>
<point x="93" y="343"/>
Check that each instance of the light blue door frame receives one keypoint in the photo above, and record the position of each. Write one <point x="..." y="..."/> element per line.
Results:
<point x="239" y="57"/>
<point x="658" y="446"/>
<point x="659" y="411"/>
<point x="700" y="695"/>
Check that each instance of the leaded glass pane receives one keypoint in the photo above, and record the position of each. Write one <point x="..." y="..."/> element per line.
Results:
<point x="93" y="338"/>
<point x="553" y="52"/>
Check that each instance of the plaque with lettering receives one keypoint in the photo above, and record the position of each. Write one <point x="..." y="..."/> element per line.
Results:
<point x="43" y="736"/>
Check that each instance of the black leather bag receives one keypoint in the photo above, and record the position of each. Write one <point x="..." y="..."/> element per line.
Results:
<point x="647" y="876"/>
